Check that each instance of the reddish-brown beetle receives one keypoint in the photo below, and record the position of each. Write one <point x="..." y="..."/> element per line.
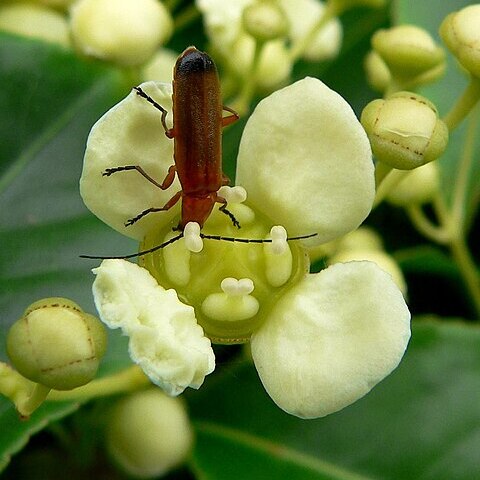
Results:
<point x="197" y="132"/>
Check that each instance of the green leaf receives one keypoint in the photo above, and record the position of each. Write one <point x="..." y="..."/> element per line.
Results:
<point x="422" y="422"/>
<point x="15" y="433"/>
<point x="444" y="94"/>
<point x="49" y="100"/>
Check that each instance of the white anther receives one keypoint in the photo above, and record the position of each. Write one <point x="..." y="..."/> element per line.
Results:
<point x="279" y="239"/>
<point x="237" y="288"/>
<point x="235" y="194"/>
<point x="191" y="234"/>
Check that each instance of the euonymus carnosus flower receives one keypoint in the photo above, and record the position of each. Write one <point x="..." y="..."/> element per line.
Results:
<point x="319" y="341"/>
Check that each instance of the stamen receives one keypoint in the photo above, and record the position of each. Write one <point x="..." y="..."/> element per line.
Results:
<point x="279" y="239"/>
<point x="237" y="288"/>
<point x="193" y="240"/>
<point x="234" y="194"/>
<point x="234" y="304"/>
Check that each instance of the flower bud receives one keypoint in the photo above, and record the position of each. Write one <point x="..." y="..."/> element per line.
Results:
<point x="378" y="74"/>
<point x="124" y="31"/>
<point x="461" y="33"/>
<point x="56" y="344"/>
<point x="404" y="130"/>
<point x="265" y="20"/>
<point x="149" y="433"/>
<point x="408" y="50"/>
<point x="35" y="21"/>
<point x="418" y="187"/>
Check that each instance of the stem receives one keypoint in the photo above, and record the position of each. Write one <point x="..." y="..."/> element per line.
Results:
<point x="468" y="269"/>
<point x="464" y="104"/>
<point x="426" y="227"/>
<point x="127" y="380"/>
<point x="462" y="180"/>
<point x="389" y="182"/>
<point x="330" y="11"/>
<point x="36" y="398"/>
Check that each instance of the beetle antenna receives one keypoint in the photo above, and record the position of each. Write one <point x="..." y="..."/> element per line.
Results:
<point x="138" y="254"/>
<point x="252" y="240"/>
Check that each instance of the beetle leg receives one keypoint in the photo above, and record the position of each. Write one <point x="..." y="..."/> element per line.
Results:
<point x="168" y="180"/>
<point x="231" y="118"/>
<point x="224" y="210"/>
<point x="168" y="131"/>
<point x="166" y="207"/>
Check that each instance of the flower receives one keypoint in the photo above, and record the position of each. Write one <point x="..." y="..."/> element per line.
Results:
<point x="319" y="341"/>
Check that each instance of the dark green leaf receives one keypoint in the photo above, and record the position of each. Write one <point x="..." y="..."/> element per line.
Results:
<point x="49" y="100"/>
<point x="422" y="422"/>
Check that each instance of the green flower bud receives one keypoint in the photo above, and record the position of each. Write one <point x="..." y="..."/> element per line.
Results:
<point x="35" y="21"/>
<point x="56" y="344"/>
<point x="265" y="20"/>
<point x="408" y="50"/>
<point x="123" y="31"/>
<point x="149" y="433"/>
<point x="378" y="74"/>
<point x="461" y="33"/>
<point x="404" y="130"/>
<point x="418" y="187"/>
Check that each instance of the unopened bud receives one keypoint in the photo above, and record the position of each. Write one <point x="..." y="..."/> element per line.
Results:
<point x="461" y="33"/>
<point x="404" y="130"/>
<point x="56" y="344"/>
<point x="408" y="50"/>
<point x="149" y="433"/>
<point x="264" y="20"/>
<point x="35" y="21"/>
<point x="123" y="31"/>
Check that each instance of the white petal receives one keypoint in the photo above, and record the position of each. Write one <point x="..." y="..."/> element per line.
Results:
<point x="306" y="162"/>
<point x="130" y="134"/>
<point x="165" y="339"/>
<point x="331" y="339"/>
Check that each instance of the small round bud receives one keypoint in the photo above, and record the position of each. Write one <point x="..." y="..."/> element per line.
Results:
<point x="408" y="50"/>
<point x="124" y="31"/>
<point x="418" y="187"/>
<point x="35" y="21"/>
<point x="404" y="130"/>
<point x="149" y="433"/>
<point x="56" y="344"/>
<point x="265" y="20"/>
<point x="461" y="33"/>
<point x="378" y="74"/>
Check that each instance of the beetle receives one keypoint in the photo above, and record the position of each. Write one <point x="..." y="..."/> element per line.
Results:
<point x="197" y="133"/>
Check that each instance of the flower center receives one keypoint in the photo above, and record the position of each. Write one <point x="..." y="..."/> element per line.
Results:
<point x="231" y="285"/>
